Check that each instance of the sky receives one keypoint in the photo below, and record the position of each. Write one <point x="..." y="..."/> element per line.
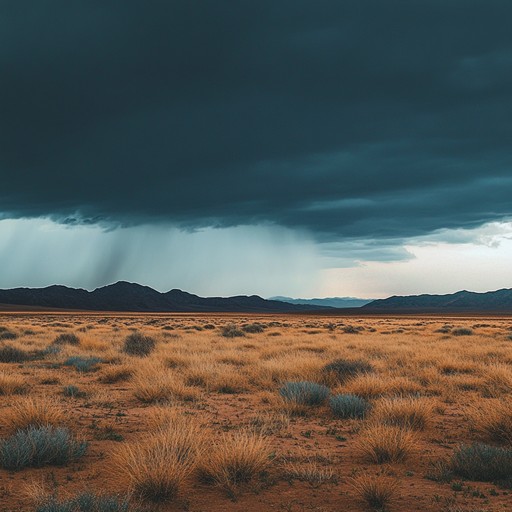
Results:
<point x="302" y="148"/>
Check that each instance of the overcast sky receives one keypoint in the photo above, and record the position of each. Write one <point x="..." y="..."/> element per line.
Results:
<point x="300" y="148"/>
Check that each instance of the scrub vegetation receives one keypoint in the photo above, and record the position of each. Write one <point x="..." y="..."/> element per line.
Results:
<point x="248" y="413"/>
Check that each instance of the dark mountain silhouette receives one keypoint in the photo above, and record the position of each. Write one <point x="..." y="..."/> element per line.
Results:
<point x="500" y="300"/>
<point x="123" y="296"/>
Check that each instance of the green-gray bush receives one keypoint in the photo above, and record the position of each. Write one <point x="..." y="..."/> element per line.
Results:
<point x="348" y="406"/>
<point x="304" y="392"/>
<point x="482" y="462"/>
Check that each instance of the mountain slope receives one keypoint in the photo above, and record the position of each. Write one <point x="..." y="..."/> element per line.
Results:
<point x="500" y="300"/>
<point x="123" y="296"/>
<point x="331" y="302"/>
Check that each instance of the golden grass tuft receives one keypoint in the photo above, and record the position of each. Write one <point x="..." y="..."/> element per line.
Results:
<point x="374" y="386"/>
<point x="33" y="412"/>
<point x="234" y="459"/>
<point x="114" y="374"/>
<point x="161" y="387"/>
<point x="407" y="412"/>
<point x="385" y="443"/>
<point x="158" y="467"/>
<point x="12" y="384"/>
<point x="492" y="419"/>
<point x="377" y="491"/>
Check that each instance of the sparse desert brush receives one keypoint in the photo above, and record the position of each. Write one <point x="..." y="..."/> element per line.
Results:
<point x="348" y="406"/>
<point x="493" y="419"/>
<point x="40" y="446"/>
<point x="160" y="386"/>
<point x="136" y="344"/>
<point x="385" y="443"/>
<point x="374" y="386"/>
<point x="10" y="354"/>
<point x="482" y="462"/>
<point x="498" y="380"/>
<point x="304" y="392"/>
<point x="66" y="339"/>
<point x="28" y="412"/>
<point x="234" y="459"/>
<point x="253" y="328"/>
<point x="377" y="491"/>
<point x="8" y="335"/>
<point x="83" y="364"/>
<point x="311" y="471"/>
<point x="408" y="412"/>
<point x="231" y="331"/>
<point x="342" y="370"/>
<point x="83" y="502"/>
<point x="113" y="374"/>
<point x="269" y="423"/>
<point x="158" y="467"/>
<point x="462" y="331"/>
<point x="12" y="384"/>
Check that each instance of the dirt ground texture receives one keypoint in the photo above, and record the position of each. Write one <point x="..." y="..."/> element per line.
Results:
<point x="225" y="374"/>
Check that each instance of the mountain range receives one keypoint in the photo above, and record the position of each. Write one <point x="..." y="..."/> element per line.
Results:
<point x="499" y="300"/>
<point x="330" y="302"/>
<point x="124" y="296"/>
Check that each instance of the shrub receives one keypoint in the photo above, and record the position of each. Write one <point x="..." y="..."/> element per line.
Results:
<point x="231" y="331"/>
<point x="234" y="460"/>
<point x="28" y="412"/>
<point x="85" y="502"/>
<point x="304" y="392"/>
<point x="10" y="354"/>
<point x="383" y="443"/>
<point x="136" y="344"/>
<point x="40" y="446"/>
<point x="83" y="364"/>
<point x="413" y="413"/>
<point x="342" y="370"/>
<point x="462" y="331"/>
<point x="482" y="462"/>
<point x="8" y="335"/>
<point x="66" y="339"/>
<point x="253" y="328"/>
<point x="377" y="491"/>
<point x="348" y="406"/>
<point x="73" y="392"/>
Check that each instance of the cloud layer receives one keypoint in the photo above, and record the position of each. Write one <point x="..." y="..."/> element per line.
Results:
<point x="353" y="119"/>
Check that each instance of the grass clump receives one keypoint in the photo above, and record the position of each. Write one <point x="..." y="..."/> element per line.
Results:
<point x="378" y="492"/>
<point x="83" y="364"/>
<point x="304" y="392"/>
<point x="29" y="412"/>
<point x="348" y="406"/>
<point x="231" y="331"/>
<point x="234" y="460"/>
<point x="406" y="412"/>
<point x="116" y="374"/>
<point x="40" y="446"/>
<point x="136" y="344"/>
<point x="12" y="384"/>
<point x="158" y="466"/>
<point x="8" y="335"/>
<point x="342" y="370"/>
<point x="493" y="420"/>
<point x="84" y="502"/>
<point x="482" y="462"/>
<point x="382" y="444"/>
<point x="67" y="339"/>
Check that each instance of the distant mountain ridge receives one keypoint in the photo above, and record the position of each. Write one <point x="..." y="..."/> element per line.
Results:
<point x="331" y="302"/>
<point x="132" y="297"/>
<point x="499" y="300"/>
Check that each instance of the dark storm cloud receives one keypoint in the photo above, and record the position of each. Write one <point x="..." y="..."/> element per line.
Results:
<point x="347" y="118"/>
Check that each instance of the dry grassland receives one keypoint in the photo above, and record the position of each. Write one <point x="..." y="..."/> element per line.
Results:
<point x="199" y="413"/>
